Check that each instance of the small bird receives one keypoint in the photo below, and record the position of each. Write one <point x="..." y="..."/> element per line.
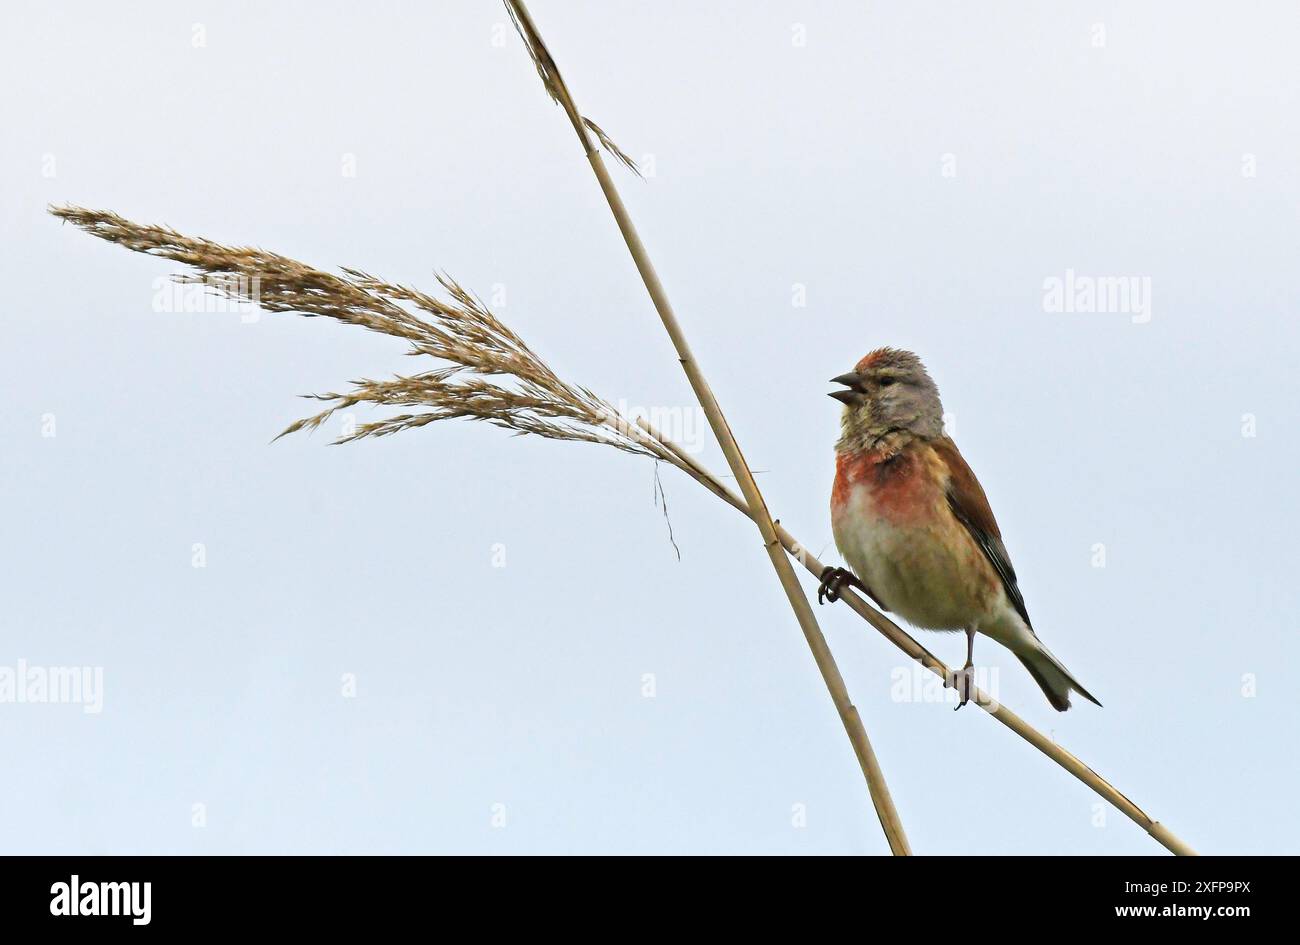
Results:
<point x="912" y="521"/>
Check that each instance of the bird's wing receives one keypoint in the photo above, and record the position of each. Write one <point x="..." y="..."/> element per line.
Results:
<point x="968" y="503"/>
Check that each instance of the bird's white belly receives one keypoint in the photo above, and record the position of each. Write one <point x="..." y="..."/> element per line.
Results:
<point x="927" y="572"/>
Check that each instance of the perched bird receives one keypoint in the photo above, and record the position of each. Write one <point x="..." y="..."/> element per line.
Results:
<point x="912" y="521"/>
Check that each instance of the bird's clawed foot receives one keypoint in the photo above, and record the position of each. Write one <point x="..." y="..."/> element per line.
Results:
<point x="964" y="682"/>
<point x="833" y="580"/>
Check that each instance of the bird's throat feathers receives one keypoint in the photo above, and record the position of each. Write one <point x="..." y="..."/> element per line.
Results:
<point x="860" y="433"/>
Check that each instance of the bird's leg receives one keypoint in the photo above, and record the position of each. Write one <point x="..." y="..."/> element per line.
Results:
<point x="964" y="681"/>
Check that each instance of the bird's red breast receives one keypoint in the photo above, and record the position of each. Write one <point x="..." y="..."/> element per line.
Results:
<point x="903" y="485"/>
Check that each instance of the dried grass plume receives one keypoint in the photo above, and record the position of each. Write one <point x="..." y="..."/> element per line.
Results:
<point x="488" y="372"/>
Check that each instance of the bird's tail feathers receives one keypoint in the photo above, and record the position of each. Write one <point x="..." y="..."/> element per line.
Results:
<point x="1052" y="677"/>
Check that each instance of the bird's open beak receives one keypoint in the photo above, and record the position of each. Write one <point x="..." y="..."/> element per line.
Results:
<point x="855" y="394"/>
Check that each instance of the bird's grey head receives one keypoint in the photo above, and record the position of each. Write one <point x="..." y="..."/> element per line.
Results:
<point x="887" y="392"/>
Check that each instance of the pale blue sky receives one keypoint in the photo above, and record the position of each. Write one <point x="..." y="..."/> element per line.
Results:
<point x="793" y="144"/>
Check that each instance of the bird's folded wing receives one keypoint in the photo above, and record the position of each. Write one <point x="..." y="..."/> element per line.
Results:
<point x="971" y="507"/>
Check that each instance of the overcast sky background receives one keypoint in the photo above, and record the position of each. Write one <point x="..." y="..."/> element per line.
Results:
<point x="920" y="169"/>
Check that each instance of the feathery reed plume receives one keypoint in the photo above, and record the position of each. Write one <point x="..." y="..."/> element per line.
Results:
<point x="478" y="345"/>
<point x="481" y="349"/>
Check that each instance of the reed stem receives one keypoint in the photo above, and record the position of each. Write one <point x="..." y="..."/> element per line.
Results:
<point x="753" y="497"/>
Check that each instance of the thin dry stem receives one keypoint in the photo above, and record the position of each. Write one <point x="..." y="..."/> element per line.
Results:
<point x="822" y="656"/>
<point x="554" y="85"/>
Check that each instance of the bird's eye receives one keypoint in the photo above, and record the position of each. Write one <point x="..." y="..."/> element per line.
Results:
<point x="886" y="381"/>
